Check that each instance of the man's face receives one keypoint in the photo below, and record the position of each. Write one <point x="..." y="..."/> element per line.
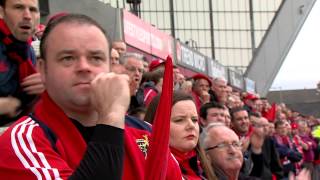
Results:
<point x="215" y="115"/>
<point x="282" y="116"/>
<point x="227" y="117"/>
<point x="181" y="78"/>
<point x="176" y="71"/>
<point x="257" y="104"/>
<point x="22" y="17"/>
<point x="265" y="104"/>
<point x="220" y="88"/>
<point x="229" y="90"/>
<point x="201" y="85"/>
<point x="240" y="123"/>
<point x="184" y="127"/>
<point x="261" y="126"/>
<point x="228" y="158"/>
<point x="114" y="56"/>
<point x="282" y="129"/>
<point x="134" y="70"/>
<point x="302" y="128"/>
<point x="75" y="55"/>
<point x="271" y="129"/>
<point x="146" y="66"/>
<point x="120" y="46"/>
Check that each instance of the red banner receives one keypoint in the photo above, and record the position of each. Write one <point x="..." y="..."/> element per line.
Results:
<point x="143" y="36"/>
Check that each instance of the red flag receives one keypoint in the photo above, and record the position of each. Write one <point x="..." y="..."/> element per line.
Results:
<point x="158" y="153"/>
<point x="271" y="113"/>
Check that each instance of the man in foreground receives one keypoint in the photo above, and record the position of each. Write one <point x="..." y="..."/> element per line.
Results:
<point x="77" y="128"/>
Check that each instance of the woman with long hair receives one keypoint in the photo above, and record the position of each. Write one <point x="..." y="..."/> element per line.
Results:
<point x="184" y="136"/>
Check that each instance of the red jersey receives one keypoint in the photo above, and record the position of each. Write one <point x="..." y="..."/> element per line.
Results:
<point x="27" y="153"/>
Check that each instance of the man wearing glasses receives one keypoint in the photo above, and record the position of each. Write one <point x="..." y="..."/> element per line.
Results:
<point x="223" y="150"/>
<point x="133" y="64"/>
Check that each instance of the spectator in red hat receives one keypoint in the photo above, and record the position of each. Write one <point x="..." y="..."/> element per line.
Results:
<point x="200" y="89"/>
<point x="156" y="64"/>
<point x="249" y="102"/>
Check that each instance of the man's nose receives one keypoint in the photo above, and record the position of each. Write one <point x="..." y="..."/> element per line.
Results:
<point x="83" y="64"/>
<point x="26" y="14"/>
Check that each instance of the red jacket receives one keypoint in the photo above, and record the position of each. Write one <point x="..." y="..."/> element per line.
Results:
<point x="149" y="94"/>
<point x="27" y="153"/>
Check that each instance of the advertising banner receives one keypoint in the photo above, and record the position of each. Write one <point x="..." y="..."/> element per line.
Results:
<point x="236" y="79"/>
<point x="145" y="37"/>
<point x="217" y="70"/>
<point x="190" y="58"/>
<point x="250" y="85"/>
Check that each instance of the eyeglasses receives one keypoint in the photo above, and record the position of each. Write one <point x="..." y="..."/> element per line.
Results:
<point x="134" y="69"/>
<point x="224" y="145"/>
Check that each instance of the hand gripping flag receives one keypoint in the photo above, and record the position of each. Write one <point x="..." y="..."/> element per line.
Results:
<point x="158" y="153"/>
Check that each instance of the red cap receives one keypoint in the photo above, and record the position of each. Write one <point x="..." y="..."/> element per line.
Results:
<point x="250" y="96"/>
<point x="294" y="125"/>
<point x="155" y="63"/>
<point x="201" y="76"/>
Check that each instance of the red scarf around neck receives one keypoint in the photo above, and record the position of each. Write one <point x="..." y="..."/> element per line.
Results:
<point x="67" y="133"/>
<point x="74" y="145"/>
<point x="184" y="162"/>
<point x="17" y="51"/>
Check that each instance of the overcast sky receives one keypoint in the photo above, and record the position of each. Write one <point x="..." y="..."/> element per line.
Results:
<point x="301" y="68"/>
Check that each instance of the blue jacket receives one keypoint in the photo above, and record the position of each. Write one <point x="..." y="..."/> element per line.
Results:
<point x="9" y="80"/>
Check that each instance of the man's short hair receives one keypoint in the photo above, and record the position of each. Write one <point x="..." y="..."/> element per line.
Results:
<point x="67" y="18"/>
<point x="204" y="108"/>
<point x="255" y="114"/>
<point x="216" y="80"/>
<point x="278" y="123"/>
<point x="124" y="57"/>
<point x="235" y="110"/>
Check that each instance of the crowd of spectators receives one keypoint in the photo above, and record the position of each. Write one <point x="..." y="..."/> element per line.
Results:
<point x="216" y="131"/>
